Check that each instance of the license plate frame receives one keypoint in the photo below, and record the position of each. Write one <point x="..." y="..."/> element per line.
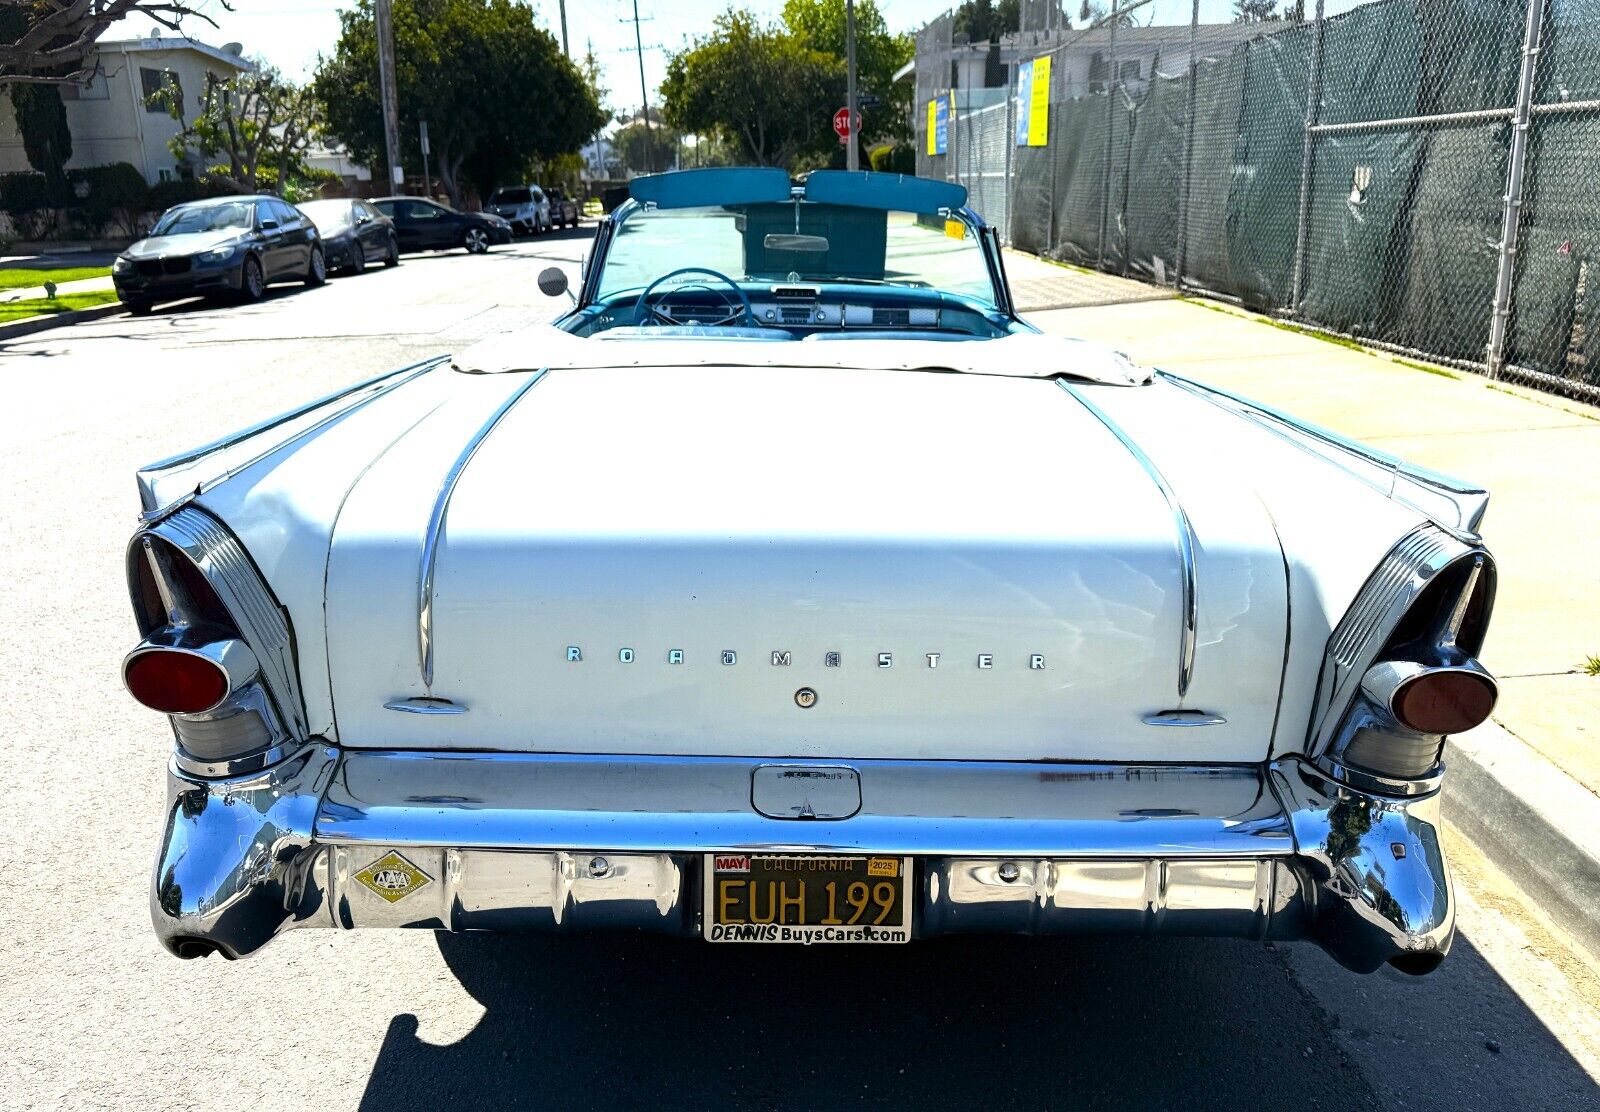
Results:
<point x="729" y="915"/>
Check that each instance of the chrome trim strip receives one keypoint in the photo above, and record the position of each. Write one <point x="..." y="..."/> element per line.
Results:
<point x="436" y="522"/>
<point x="1470" y="501"/>
<point x="1189" y="636"/>
<point x="706" y="805"/>
<point x="1182" y="718"/>
<point x="423" y="705"/>
<point x="151" y="475"/>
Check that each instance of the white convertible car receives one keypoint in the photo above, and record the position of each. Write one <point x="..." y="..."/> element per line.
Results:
<point x="791" y="588"/>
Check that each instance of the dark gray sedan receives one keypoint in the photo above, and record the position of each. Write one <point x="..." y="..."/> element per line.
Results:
<point x="354" y="233"/>
<point x="220" y="246"/>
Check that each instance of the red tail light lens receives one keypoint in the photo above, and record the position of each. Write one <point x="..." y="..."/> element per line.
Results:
<point x="175" y="682"/>
<point x="1444" y="702"/>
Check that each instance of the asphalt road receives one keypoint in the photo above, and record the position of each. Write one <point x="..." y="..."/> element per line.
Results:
<point x="94" y="1014"/>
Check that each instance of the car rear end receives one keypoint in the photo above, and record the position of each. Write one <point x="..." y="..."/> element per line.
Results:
<point x="849" y="704"/>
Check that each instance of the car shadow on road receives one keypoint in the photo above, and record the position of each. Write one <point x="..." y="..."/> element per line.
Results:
<point x="1108" y="1023"/>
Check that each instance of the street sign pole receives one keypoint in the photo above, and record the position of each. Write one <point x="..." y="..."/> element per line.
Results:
<point x="852" y="145"/>
<point x="427" y="181"/>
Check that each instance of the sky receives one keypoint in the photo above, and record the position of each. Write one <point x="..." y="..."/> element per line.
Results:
<point x="290" y="33"/>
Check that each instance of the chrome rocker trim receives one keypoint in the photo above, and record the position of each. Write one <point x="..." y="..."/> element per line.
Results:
<point x="545" y="842"/>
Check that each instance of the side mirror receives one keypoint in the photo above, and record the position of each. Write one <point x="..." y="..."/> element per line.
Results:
<point x="268" y="225"/>
<point x="552" y="281"/>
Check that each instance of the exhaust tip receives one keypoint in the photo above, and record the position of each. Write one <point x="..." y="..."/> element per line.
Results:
<point x="190" y="948"/>
<point x="1418" y="964"/>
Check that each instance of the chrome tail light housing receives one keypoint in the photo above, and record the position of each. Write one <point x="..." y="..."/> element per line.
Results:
<point x="216" y="649"/>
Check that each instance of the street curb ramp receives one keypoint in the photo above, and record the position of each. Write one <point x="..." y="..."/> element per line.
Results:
<point x="1532" y="820"/>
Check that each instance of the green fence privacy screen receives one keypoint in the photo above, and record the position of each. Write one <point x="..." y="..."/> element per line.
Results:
<point x="1355" y="169"/>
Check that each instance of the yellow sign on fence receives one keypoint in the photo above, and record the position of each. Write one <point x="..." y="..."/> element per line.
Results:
<point x="1039" y="103"/>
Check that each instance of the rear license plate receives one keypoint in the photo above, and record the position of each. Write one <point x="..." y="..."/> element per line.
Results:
<point x="771" y="898"/>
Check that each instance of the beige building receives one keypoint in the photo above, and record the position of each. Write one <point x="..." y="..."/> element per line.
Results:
<point x="110" y="118"/>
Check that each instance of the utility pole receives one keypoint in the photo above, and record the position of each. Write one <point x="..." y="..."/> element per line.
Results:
<point x="391" y="104"/>
<point x="644" y="96"/>
<point x="564" y="49"/>
<point x="852" y="148"/>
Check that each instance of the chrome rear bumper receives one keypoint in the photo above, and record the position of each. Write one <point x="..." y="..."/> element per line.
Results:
<point x="544" y="842"/>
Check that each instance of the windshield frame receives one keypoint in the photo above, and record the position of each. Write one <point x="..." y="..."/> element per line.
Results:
<point x="987" y="238"/>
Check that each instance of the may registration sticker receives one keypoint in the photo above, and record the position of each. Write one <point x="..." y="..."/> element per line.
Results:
<point x="769" y="898"/>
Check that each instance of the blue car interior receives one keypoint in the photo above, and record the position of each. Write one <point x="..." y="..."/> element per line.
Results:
<point x="815" y="263"/>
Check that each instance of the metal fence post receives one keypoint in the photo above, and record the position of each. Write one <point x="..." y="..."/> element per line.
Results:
<point x="1302" y="233"/>
<point x="1011" y="143"/>
<point x="1188" y="152"/>
<point x="1511" y="215"/>
<point x="1111" y="115"/>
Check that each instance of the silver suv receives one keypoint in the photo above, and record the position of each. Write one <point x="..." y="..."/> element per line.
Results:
<point x="525" y="206"/>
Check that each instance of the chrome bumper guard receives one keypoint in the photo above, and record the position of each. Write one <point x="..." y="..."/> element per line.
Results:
<point x="552" y="842"/>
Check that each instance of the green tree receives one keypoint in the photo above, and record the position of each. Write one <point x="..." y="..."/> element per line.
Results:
<point x="498" y="94"/>
<point x="642" y="153"/>
<point x="820" y="24"/>
<point x="46" y="139"/>
<point x="986" y="21"/>
<point x="1254" y="11"/>
<point x="764" y="87"/>
<point x="251" y="126"/>
<point x="45" y="42"/>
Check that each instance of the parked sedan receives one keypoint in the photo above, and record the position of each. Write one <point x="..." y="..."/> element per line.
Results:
<point x="354" y="234"/>
<point x="220" y="246"/>
<point x="429" y="226"/>
<point x="564" y="211"/>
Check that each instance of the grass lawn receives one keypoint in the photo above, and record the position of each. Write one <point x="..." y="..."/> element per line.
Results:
<point x="35" y="306"/>
<point x="20" y="278"/>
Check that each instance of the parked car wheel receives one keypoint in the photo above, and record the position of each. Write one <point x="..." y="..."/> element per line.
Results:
<point x="253" y="282"/>
<point x="358" y="259"/>
<point x="475" y="240"/>
<point x="138" y="308"/>
<point x="393" y="257"/>
<point x="317" y="271"/>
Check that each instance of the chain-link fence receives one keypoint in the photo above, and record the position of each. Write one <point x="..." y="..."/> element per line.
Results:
<point x="1418" y="174"/>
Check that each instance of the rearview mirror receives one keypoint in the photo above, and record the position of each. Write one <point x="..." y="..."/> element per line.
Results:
<point x="778" y="241"/>
<point x="552" y="281"/>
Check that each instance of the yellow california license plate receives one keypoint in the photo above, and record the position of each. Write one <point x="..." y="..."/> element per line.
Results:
<point x="812" y="899"/>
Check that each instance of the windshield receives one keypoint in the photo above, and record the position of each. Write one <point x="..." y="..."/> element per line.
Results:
<point x="327" y="214"/>
<point x="510" y="197"/>
<point x="799" y="241"/>
<point x="206" y="218"/>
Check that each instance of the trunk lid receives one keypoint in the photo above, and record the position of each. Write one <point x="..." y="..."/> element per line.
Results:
<point x="648" y="560"/>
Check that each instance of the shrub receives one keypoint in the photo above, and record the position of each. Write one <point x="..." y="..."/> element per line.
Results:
<point x="164" y="194"/>
<point x="112" y="195"/>
<point x="24" y="192"/>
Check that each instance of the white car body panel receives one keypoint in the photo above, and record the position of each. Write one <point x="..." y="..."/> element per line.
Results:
<point x="1002" y="519"/>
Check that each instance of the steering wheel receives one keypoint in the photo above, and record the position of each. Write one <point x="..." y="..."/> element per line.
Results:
<point x="645" y="313"/>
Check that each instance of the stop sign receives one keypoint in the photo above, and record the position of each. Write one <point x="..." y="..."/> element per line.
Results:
<point x="844" y="125"/>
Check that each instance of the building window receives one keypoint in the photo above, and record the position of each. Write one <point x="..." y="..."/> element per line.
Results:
<point x="165" y="174"/>
<point x="154" y="81"/>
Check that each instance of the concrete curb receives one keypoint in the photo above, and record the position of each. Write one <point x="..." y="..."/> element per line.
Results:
<point x="29" y="325"/>
<point x="1532" y="820"/>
